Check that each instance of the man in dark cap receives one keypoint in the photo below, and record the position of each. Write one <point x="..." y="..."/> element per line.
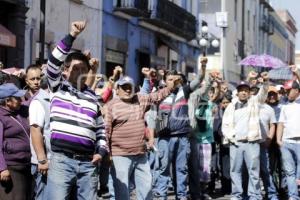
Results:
<point x="241" y="129"/>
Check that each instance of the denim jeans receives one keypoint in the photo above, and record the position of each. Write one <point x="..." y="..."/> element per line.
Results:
<point x="40" y="183"/>
<point x="290" y="159"/>
<point x="193" y="167"/>
<point x="66" y="173"/>
<point x="266" y="175"/>
<point x="111" y="186"/>
<point x="153" y="159"/>
<point x="122" y="169"/>
<point x="248" y="152"/>
<point x="173" y="150"/>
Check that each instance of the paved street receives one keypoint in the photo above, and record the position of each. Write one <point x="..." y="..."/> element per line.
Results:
<point x="216" y="196"/>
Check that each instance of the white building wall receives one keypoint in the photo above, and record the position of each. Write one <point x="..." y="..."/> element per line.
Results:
<point x="59" y="15"/>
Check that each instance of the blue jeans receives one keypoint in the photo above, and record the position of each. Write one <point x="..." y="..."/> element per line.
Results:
<point x="194" y="177"/>
<point x="66" y="173"/>
<point x="266" y="175"/>
<point x="40" y="183"/>
<point x="122" y="169"/>
<point x="290" y="159"/>
<point x="173" y="150"/>
<point x="111" y="186"/>
<point x="248" y="152"/>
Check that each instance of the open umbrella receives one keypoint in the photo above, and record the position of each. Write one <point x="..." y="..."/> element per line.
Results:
<point x="282" y="73"/>
<point x="263" y="60"/>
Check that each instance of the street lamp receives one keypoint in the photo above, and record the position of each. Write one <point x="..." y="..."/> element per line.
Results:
<point x="204" y="40"/>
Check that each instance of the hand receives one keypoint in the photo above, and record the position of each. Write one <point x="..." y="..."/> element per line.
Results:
<point x="203" y="61"/>
<point x="96" y="159"/>
<point x="215" y="84"/>
<point x="150" y="144"/>
<point x="5" y="175"/>
<point x="293" y="68"/>
<point x="252" y="74"/>
<point x="260" y="80"/>
<point x="19" y="73"/>
<point x="117" y="71"/>
<point x="280" y="143"/>
<point x="265" y="76"/>
<point x="94" y="63"/>
<point x="98" y="77"/>
<point x="43" y="168"/>
<point x="77" y="27"/>
<point x="88" y="54"/>
<point x="146" y="72"/>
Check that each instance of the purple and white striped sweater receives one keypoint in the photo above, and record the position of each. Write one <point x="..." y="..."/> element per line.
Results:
<point x="76" y="122"/>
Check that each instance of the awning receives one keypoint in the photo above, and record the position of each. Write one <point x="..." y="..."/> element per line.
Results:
<point x="7" y="38"/>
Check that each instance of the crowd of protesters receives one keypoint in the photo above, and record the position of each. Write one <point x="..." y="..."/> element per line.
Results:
<point x="73" y="135"/>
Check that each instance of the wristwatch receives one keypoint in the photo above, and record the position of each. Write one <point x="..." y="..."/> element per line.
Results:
<point x="42" y="162"/>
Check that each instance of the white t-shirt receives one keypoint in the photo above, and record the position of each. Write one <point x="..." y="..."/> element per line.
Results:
<point x="266" y="117"/>
<point x="36" y="117"/>
<point x="290" y="117"/>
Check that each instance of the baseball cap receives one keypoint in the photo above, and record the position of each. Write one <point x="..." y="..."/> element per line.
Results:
<point x="125" y="80"/>
<point x="242" y="84"/>
<point x="291" y="84"/>
<point x="10" y="90"/>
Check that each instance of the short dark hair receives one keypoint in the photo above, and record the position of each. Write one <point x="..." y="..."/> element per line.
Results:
<point x="34" y="67"/>
<point x="172" y="72"/>
<point x="183" y="77"/>
<point x="76" y="56"/>
<point x="227" y="95"/>
<point x="254" y="89"/>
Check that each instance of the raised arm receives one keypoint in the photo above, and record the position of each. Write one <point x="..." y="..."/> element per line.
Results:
<point x="263" y="91"/>
<point x="58" y="55"/>
<point x="91" y="76"/>
<point x="201" y="75"/>
<point x="146" y="87"/>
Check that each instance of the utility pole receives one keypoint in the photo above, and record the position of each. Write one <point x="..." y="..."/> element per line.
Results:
<point x="223" y="56"/>
<point x="243" y="40"/>
<point x="223" y="45"/>
<point x="42" y="30"/>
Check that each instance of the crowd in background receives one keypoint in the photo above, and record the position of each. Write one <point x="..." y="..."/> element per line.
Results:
<point x="67" y="132"/>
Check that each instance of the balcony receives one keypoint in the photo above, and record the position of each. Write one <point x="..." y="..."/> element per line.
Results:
<point x="173" y="18"/>
<point x="264" y="24"/>
<point x="134" y="8"/>
<point x="162" y="14"/>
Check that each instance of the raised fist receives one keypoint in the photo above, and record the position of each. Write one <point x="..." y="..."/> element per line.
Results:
<point x="252" y="74"/>
<point x="293" y="68"/>
<point x="77" y="27"/>
<point x="203" y="61"/>
<point x="117" y="71"/>
<point x="87" y="53"/>
<point x="265" y="75"/>
<point x="94" y="63"/>
<point x="146" y="72"/>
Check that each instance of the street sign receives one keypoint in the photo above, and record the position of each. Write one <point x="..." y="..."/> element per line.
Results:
<point x="222" y="19"/>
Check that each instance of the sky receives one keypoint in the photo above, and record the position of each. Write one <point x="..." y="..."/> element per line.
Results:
<point x="293" y="6"/>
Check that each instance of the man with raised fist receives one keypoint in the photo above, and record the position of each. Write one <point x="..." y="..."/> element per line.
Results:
<point x="78" y="138"/>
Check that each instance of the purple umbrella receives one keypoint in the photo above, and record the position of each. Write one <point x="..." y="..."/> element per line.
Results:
<point x="263" y="60"/>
